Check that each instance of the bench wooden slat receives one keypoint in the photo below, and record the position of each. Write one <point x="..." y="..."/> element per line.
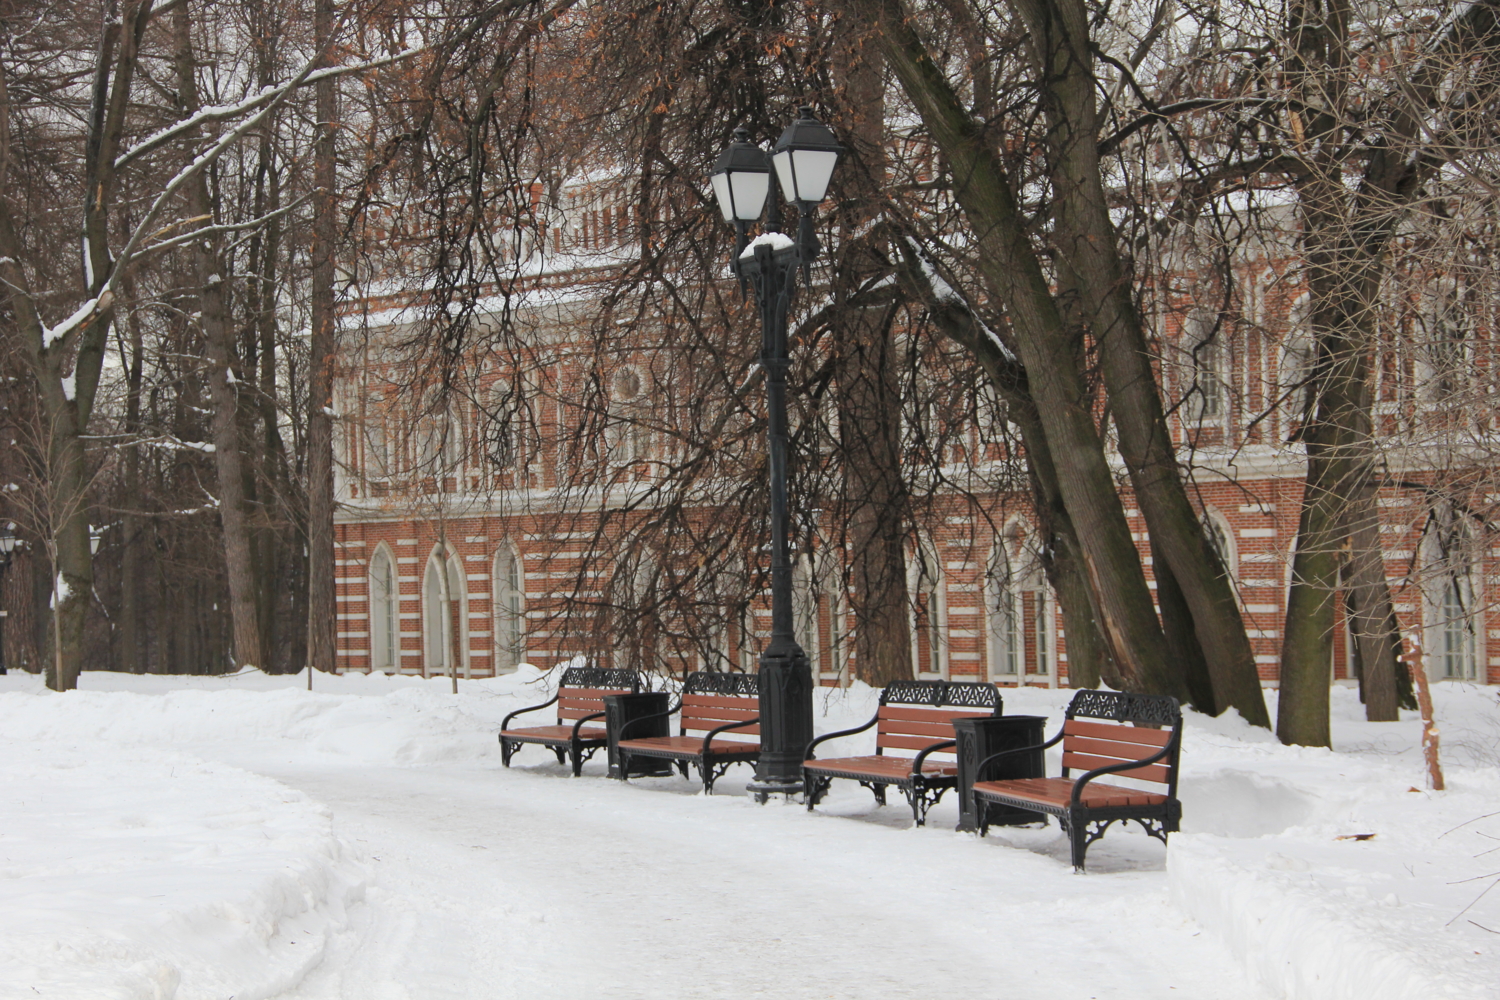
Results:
<point x="1058" y="792"/>
<point x="936" y="729"/>
<point x="898" y="741"/>
<point x="1087" y="762"/>
<point x="1116" y="731"/>
<point x="926" y="714"/>
<point x="880" y="767"/>
<point x="722" y="701"/>
<point x="690" y="745"/>
<point x="1107" y="748"/>
<point x="718" y="712"/>
<point x="574" y="714"/>
<point x="563" y="733"/>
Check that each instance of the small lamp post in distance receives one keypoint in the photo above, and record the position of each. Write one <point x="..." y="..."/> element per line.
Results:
<point x="743" y="181"/>
<point x="7" y="546"/>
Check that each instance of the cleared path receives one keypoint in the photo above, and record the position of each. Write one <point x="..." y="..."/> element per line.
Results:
<point x="496" y="884"/>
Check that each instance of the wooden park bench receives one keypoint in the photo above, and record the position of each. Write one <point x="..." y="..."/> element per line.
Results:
<point x="913" y="716"/>
<point x="722" y="714"/>
<point x="1104" y="732"/>
<point x="579" y="700"/>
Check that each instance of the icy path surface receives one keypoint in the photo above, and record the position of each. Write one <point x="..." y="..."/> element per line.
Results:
<point x="518" y="884"/>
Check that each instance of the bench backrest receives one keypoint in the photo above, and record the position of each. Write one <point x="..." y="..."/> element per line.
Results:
<point x="710" y="700"/>
<point x="1109" y="727"/>
<point x="582" y="689"/>
<point x="913" y="715"/>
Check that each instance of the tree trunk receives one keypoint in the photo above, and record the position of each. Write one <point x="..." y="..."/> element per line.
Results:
<point x="1088" y="659"/>
<point x="1007" y="261"/>
<point x="321" y="606"/>
<point x="1370" y="611"/>
<point x="218" y="337"/>
<point x="131" y="609"/>
<point x="1089" y="262"/>
<point x="869" y="390"/>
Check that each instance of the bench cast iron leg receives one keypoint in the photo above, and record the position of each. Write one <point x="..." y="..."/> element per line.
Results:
<point x="507" y="749"/>
<point x="577" y="755"/>
<point x="624" y="765"/>
<point x="814" y="787"/>
<point x="706" y="772"/>
<point x="561" y="753"/>
<point x="682" y="766"/>
<point x="1078" y="837"/>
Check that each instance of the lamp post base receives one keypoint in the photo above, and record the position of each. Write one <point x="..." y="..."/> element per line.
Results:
<point x="763" y="790"/>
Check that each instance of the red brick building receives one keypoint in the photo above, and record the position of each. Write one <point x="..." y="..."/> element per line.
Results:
<point x="463" y="564"/>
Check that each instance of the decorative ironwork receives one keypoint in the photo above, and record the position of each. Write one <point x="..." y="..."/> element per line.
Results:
<point x="711" y="770"/>
<point x="601" y="677"/>
<point x="936" y="694"/>
<point x="1120" y="706"/>
<point x="814" y="787"/>
<point x="878" y="788"/>
<point x="737" y="685"/>
<point x="923" y="796"/>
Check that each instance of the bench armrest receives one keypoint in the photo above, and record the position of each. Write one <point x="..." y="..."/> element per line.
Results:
<point x="587" y="718"/>
<point x="1122" y="766"/>
<point x="808" y="753"/>
<point x="1005" y="753"/>
<point x="533" y="708"/>
<point x="643" y="718"/>
<point x="709" y="736"/>
<point x="916" y="764"/>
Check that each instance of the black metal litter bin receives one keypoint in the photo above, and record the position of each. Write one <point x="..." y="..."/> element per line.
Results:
<point x="977" y="739"/>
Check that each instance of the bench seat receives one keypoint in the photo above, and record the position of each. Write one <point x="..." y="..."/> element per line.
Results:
<point x="915" y="719"/>
<point x="887" y="768"/>
<point x="1104" y="734"/>
<point x="551" y="735"/>
<point x="712" y="705"/>
<point x="580" y="708"/>
<point x="690" y="747"/>
<point x="1058" y="793"/>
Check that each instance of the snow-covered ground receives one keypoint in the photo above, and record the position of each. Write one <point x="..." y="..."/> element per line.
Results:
<point x="241" y="837"/>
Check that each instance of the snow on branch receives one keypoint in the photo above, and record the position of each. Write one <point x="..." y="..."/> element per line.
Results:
<point x="268" y="93"/>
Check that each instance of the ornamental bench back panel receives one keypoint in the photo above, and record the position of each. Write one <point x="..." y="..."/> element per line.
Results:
<point x="579" y="700"/>
<point x="719" y="725"/>
<point x="1103" y="733"/>
<point x="913" y="716"/>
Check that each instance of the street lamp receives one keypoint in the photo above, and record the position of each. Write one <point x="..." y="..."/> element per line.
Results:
<point x="7" y="546"/>
<point x="804" y="159"/>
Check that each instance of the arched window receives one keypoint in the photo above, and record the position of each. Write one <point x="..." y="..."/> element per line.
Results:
<point x="1216" y="527"/>
<point x="1020" y="610"/>
<point x="628" y="434"/>
<point x="929" y="639"/>
<point x="510" y="609"/>
<point x="1448" y="344"/>
<point x="1449" y="552"/>
<point x="445" y="615"/>
<point x="1299" y="352"/>
<point x="385" y="641"/>
<point x="1204" y="369"/>
<point x="503" y="437"/>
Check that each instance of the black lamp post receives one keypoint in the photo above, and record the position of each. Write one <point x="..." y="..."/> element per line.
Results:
<point x="804" y="158"/>
<point x="7" y="546"/>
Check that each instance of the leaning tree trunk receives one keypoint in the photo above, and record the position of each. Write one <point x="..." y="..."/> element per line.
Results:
<point x="321" y="606"/>
<point x="1213" y="637"/>
<point x="1125" y="614"/>
<point x="1088" y="659"/>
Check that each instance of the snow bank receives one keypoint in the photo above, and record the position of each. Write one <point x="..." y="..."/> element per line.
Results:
<point x="137" y="873"/>
<point x="1332" y="873"/>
